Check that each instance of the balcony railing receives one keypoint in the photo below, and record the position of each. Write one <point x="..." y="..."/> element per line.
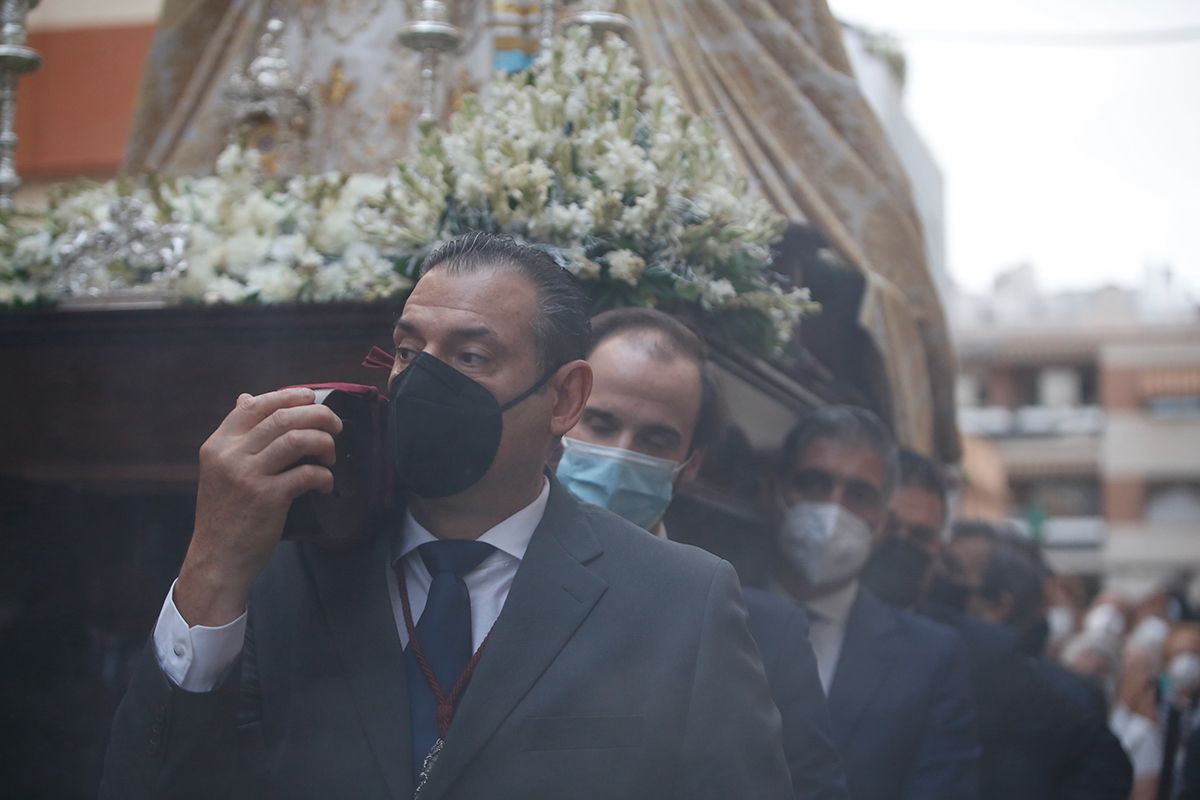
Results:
<point x="997" y="421"/>
<point x="1069" y="532"/>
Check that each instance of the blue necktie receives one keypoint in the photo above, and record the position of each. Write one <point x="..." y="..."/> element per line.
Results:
<point x="444" y="631"/>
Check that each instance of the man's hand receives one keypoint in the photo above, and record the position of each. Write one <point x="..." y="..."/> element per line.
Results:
<point x="248" y="480"/>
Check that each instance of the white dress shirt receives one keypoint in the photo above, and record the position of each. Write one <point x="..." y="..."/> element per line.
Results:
<point x="827" y="616"/>
<point x="196" y="658"/>
<point x="488" y="584"/>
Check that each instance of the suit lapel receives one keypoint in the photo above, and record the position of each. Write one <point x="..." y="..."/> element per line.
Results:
<point x="551" y="595"/>
<point x="352" y="585"/>
<point x="865" y="662"/>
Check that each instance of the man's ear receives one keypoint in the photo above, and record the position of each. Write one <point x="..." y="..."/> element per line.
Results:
<point x="689" y="473"/>
<point x="571" y="385"/>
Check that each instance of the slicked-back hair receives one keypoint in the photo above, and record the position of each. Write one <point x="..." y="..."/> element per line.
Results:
<point x="918" y="471"/>
<point x="681" y="342"/>
<point x="847" y="425"/>
<point x="561" y="328"/>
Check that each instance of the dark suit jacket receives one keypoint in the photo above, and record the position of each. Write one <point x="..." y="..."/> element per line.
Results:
<point x="620" y="667"/>
<point x="1190" y="789"/>
<point x="901" y="707"/>
<point x="1089" y="762"/>
<point x="1044" y="734"/>
<point x="780" y="629"/>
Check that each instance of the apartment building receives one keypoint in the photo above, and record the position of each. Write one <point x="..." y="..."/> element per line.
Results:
<point x="1092" y="401"/>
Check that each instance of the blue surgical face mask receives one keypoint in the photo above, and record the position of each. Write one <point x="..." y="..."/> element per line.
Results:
<point x="633" y="485"/>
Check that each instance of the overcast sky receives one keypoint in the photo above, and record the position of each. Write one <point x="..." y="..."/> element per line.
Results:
<point x="1083" y="160"/>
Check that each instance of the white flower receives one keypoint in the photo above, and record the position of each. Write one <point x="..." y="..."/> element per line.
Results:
<point x="332" y="282"/>
<point x="716" y="294"/>
<point x="32" y="249"/>
<point x="558" y="222"/>
<point x="625" y="266"/>
<point x="86" y="206"/>
<point x="15" y="292"/>
<point x="274" y="283"/>
<point x="585" y="268"/>
<point x="288" y="249"/>
<point x="260" y="213"/>
<point x="579" y="152"/>
<point x="224" y="289"/>
<point x="372" y="276"/>
<point x="245" y="249"/>
<point x="235" y="161"/>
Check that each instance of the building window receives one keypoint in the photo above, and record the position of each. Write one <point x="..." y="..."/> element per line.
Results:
<point x="1173" y="502"/>
<point x="1058" y="497"/>
<point x="1182" y="405"/>
<point x="1059" y="387"/>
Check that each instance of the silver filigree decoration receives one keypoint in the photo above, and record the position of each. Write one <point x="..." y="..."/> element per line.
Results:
<point x="427" y="767"/>
<point x="267" y="90"/>
<point x="129" y="249"/>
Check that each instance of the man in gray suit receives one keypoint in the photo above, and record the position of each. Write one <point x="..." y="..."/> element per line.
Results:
<point x="500" y="640"/>
<point x="654" y="409"/>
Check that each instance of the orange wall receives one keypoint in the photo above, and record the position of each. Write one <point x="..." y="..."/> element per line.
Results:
<point x="74" y="114"/>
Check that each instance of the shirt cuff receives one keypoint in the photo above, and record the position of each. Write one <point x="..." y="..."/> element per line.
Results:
<point x="195" y="658"/>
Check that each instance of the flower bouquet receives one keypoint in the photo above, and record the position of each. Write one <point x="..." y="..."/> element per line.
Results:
<point x="641" y="200"/>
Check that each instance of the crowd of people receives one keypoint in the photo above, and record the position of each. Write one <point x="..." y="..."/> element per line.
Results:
<point x="509" y="639"/>
<point x="1068" y="701"/>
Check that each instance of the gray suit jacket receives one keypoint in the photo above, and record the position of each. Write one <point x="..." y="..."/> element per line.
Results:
<point x="620" y="667"/>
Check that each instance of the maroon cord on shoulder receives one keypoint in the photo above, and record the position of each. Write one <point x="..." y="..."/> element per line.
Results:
<point x="446" y="705"/>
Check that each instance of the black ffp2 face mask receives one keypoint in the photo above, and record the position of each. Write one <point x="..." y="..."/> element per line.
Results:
<point x="443" y="428"/>
<point x="896" y="572"/>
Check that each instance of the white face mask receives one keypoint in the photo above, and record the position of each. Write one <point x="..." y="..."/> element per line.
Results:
<point x="824" y="542"/>
<point x="1105" y="618"/>
<point x="1184" y="673"/>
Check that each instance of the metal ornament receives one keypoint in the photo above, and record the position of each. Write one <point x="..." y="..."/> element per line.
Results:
<point x="430" y="33"/>
<point x="267" y="91"/>
<point x="15" y="60"/>
<point x="599" y="16"/>
<point x="130" y="248"/>
<point x="427" y="766"/>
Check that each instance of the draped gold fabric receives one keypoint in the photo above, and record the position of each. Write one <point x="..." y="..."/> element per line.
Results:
<point x="773" y="74"/>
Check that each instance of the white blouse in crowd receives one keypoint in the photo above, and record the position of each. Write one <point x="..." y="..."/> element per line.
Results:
<point x="1140" y="738"/>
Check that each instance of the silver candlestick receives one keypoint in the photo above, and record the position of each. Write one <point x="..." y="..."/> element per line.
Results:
<point x="15" y="60"/>
<point x="430" y="33"/>
<point x="549" y="23"/>
<point x="600" y="16"/>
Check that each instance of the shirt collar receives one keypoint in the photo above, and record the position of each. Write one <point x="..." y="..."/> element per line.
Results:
<point x="835" y="606"/>
<point x="510" y="536"/>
